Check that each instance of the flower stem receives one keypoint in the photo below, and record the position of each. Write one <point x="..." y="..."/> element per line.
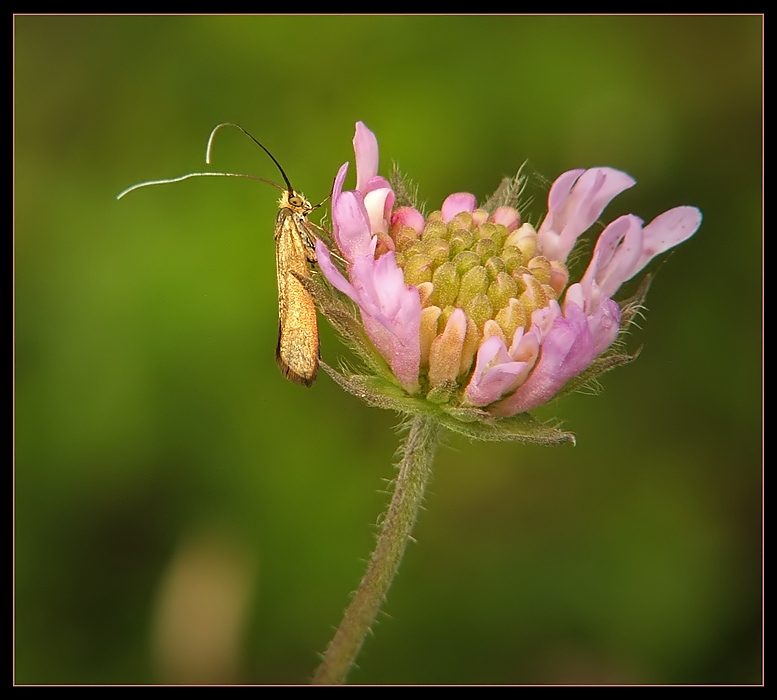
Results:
<point x="415" y="469"/>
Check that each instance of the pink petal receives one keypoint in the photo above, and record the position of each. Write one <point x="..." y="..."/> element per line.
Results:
<point x="378" y="203"/>
<point x="666" y="231"/>
<point x="566" y="351"/>
<point x="384" y="282"/>
<point x="403" y="357"/>
<point x="337" y="187"/>
<point x="621" y="240"/>
<point x="376" y="183"/>
<point x="624" y="248"/>
<point x="604" y="325"/>
<point x="603" y="314"/>
<point x="615" y="255"/>
<point x="352" y="225"/>
<point x="494" y="373"/>
<point x="365" y="147"/>
<point x="457" y="203"/>
<point x="543" y="319"/>
<point x="561" y="188"/>
<point x="408" y="216"/>
<point x="525" y="346"/>
<point x="575" y="202"/>
<point x="507" y="216"/>
<point x="333" y="275"/>
<point x="391" y="313"/>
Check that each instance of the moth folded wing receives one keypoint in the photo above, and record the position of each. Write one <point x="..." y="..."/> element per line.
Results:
<point x="298" y="348"/>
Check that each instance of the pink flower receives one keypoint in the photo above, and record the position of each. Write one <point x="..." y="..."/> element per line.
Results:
<point x="568" y="348"/>
<point x="470" y="307"/>
<point x="576" y="200"/>
<point x="391" y="310"/>
<point x="624" y="247"/>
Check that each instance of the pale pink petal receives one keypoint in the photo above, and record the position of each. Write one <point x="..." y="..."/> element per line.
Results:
<point x="576" y="200"/>
<point x="666" y="231"/>
<point x="376" y="183"/>
<point x="385" y="284"/>
<point x="624" y="248"/>
<point x="457" y="203"/>
<point x="615" y="255"/>
<point x="576" y="294"/>
<point x="622" y="239"/>
<point x="408" y="216"/>
<point x="378" y="203"/>
<point x="562" y="187"/>
<point x="365" y="147"/>
<point x="544" y="318"/>
<point x="352" y="225"/>
<point x="391" y="313"/>
<point x="566" y="351"/>
<point x="494" y="373"/>
<point x="525" y="346"/>
<point x="333" y="275"/>
<point x="337" y="187"/>
<point x="604" y="325"/>
<point x="507" y="216"/>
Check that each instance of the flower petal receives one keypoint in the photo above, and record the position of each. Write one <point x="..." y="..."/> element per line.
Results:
<point x="576" y="200"/>
<point x="332" y="274"/>
<point x="494" y="373"/>
<point x="604" y="325"/>
<point x="565" y="352"/>
<point x="378" y="204"/>
<point x="666" y="231"/>
<point x="376" y="183"/>
<point x="457" y="203"/>
<point x="337" y="187"/>
<point x="365" y="147"/>
<point x="391" y="312"/>
<point x="616" y="253"/>
<point x="408" y="216"/>
<point x="624" y="248"/>
<point x="352" y="225"/>
<point x="507" y="216"/>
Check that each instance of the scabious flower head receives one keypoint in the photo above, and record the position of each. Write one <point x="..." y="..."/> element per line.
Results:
<point x="468" y="312"/>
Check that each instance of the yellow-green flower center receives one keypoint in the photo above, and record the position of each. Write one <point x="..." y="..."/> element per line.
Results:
<point x="475" y="264"/>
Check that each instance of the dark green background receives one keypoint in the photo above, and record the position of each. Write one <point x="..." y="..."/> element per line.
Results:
<point x="149" y="408"/>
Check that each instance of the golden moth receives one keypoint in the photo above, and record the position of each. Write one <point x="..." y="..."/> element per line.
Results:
<point x="295" y="249"/>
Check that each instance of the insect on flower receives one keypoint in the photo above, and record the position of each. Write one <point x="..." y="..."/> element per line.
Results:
<point x="297" y="352"/>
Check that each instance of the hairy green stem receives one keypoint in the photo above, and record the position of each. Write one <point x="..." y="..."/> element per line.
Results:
<point x="415" y="469"/>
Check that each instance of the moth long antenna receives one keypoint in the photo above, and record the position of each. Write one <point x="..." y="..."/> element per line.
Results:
<point x="188" y="176"/>
<point x="237" y="126"/>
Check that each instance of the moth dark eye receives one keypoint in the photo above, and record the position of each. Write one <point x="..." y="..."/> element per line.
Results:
<point x="295" y="201"/>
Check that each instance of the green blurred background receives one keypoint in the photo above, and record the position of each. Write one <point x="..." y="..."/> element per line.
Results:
<point x="184" y="514"/>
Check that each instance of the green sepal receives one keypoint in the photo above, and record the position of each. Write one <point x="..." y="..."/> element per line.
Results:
<point x="632" y="307"/>
<point x="442" y="394"/>
<point x="405" y="191"/>
<point x="602" y="364"/>
<point x="521" y="427"/>
<point x="381" y="393"/>
<point x="473" y="423"/>
<point x="508" y="194"/>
